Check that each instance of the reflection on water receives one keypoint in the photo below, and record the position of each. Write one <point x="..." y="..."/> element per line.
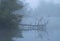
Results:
<point x="30" y="36"/>
<point x="53" y="29"/>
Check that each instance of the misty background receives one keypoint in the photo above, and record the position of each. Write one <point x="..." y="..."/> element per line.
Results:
<point x="29" y="20"/>
<point x="33" y="11"/>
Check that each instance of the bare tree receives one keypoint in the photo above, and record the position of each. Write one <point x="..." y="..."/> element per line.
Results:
<point x="38" y="26"/>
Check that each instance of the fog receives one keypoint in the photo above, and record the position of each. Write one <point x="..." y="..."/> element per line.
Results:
<point x="49" y="10"/>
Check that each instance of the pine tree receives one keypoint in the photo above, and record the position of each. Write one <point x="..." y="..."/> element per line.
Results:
<point x="9" y="21"/>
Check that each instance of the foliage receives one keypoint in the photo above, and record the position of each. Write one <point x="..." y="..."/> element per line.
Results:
<point x="9" y="21"/>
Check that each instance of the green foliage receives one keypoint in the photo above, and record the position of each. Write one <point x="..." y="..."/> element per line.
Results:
<point x="9" y="21"/>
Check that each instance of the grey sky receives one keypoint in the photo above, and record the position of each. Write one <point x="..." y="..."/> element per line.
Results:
<point x="53" y="25"/>
<point x="35" y="3"/>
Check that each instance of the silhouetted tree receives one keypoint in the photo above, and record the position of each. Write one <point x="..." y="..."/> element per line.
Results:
<point x="9" y="21"/>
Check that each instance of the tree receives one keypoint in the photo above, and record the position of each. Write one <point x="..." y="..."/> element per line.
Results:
<point x="9" y="21"/>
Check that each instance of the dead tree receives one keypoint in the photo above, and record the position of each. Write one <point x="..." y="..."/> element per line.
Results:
<point x="39" y="27"/>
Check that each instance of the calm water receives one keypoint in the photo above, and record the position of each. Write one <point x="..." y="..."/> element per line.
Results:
<point x="53" y="29"/>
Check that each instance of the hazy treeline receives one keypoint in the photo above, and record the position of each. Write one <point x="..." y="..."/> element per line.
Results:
<point x="9" y="21"/>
